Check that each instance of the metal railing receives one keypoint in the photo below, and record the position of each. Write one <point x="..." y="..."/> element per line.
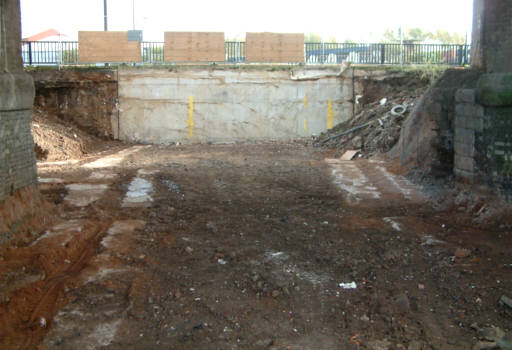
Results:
<point x="335" y="53"/>
<point x="66" y="53"/>
<point x="235" y="51"/>
<point x="152" y="52"/>
<point x="49" y="52"/>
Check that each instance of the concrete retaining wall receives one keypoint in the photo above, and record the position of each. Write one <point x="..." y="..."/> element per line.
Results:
<point x="202" y="105"/>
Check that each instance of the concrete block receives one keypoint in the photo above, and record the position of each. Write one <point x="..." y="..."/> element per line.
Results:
<point x="460" y="121"/>
<point x="464" y="163"/>
<point x="465" y="96"/>
<point x="465" y="136"/>
<point x="463" y="174"/>
<point x="465" y="150"/>
<point x="475" y="123"/>
<point x="467" y="109"/>
<point x="495" y="90"/>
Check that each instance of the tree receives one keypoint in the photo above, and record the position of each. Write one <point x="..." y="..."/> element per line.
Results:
<point x="389" y="36"/>
<point x="446" y="38"/>
<point x="312" y="38"/>
<point x="418" y="35"/>
<point x="332" y="39"/>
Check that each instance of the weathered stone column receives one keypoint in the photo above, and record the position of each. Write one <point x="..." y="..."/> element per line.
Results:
<point x="492" y="36"/>
<point x="17" y="159"/>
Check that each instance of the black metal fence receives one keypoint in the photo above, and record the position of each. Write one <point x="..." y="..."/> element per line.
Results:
<point x="335" y="53"/>
<point x="66" y="53"/>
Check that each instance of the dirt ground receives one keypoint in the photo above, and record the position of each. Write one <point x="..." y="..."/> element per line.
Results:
<point x="252" y="246"/>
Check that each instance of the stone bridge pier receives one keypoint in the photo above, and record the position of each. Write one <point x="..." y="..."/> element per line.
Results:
<point x="17" y="161"/>
<point x="483" y="113"/>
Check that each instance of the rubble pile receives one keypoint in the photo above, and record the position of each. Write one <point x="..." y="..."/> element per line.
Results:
<point x="58" y="140"/>
<point x="375" y="129"/>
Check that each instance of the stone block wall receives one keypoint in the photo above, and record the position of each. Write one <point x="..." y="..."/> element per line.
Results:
<point x="483" y="134"/>
<point x="17" y="159"/>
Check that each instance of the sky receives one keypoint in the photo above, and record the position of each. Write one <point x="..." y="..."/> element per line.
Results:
<point x="358" y="20"/>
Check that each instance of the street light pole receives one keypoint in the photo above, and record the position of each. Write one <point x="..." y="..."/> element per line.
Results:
<point x="133" y="13"/>
<point x="105" y="24"/>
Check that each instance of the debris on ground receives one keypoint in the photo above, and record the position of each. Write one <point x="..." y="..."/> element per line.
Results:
<point x="376" y="129"/>
<point x="56" y="139"/>
<point x="492" y="338"/>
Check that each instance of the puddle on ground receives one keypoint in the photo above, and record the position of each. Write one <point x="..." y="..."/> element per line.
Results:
<point x="81" y="195"/>
<point x="138" y="193"/>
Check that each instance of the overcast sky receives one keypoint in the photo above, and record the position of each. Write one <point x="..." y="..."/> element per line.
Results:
<point x="359" y="20"/>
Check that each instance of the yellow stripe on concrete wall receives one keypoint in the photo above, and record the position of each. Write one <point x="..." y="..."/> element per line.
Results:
<point x="330" y="114"/>
<point x="305" y="105"/>
<point x="190" y="120"/>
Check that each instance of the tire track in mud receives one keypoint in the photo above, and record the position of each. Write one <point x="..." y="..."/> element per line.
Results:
<point x="49" y="300"/>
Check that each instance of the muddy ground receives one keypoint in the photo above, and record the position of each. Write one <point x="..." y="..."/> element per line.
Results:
<point x="251" y="246"/>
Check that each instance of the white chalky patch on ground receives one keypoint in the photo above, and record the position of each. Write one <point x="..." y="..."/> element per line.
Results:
<point x="68" y="228"/>
<point x="114" y="159"/>
<point x="101" y="175"/>
<point x="103" y="273"/>
<point x="284" y="271"/>
<point x="393" y="179"/>
<point x="120" y="228"/>
<point x="351" y="180"/>
<point x="81" y="195"/>
<point x="309" y="276"/>
<point x="103" y="334"/>
<point x="393" y="223"/>
<point x="142" y="172"/>
<point x="49" y="180"/>
<point x="138" y="193"/>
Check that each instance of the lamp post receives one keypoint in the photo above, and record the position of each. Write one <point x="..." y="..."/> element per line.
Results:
<point x="105" y="24"/>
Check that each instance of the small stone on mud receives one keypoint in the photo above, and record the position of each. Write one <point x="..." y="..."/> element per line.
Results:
<point x="415" y="345"/>
<point x="365" y="318"/>
<point x="276" y="293"/>
<point x="189" y="250"/>
<point x="402" y="301"/>
<point x="462" y="253"/>
<point x="379" y="345"/>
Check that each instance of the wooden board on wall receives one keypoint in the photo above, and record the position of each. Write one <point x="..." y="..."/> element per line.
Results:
<point x="274" y="47"/>
<point x="194" y="47"/>
<point x="107" y="47"/>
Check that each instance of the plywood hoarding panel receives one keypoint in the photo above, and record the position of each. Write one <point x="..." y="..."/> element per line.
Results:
<point x="274" y="47"/>
<point x="194" y="47"/>
<point x="97" y="46"/>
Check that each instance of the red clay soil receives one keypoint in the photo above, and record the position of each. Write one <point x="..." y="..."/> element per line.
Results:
<point x="254" y="246"/>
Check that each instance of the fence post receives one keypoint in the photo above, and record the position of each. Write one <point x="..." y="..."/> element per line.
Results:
<point x="382" y="53"/>
<point x="30" y="52"/>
